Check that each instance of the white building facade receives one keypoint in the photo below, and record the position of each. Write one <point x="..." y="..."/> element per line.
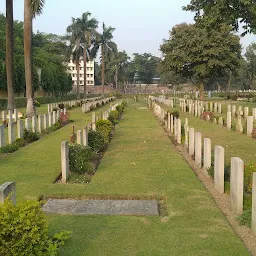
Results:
<point x="89" y="73"/>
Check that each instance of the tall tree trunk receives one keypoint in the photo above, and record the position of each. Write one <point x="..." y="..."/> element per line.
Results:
<point x="201" y="89"/>
<point x="31" y="111"/>
<point x="103" y="69"/>
<point x="77" y="79"/>
<point x="9" y="53"/>
<point x="85" y="72"/>
<point x="229" y="81"/>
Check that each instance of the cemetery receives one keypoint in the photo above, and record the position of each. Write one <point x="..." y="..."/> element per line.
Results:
<point x="138" y="139"/>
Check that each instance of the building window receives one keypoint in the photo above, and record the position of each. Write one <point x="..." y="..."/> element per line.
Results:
<point x="80" y="75"/>
<point x="74" y="75"/>
<point x="81" y="82"/>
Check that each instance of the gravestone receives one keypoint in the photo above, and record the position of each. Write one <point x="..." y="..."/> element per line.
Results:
<point x="20" y="129"/>
<point x="229" y="120"/>
<point x="11" y="137"/>
<point x="79" y="138"/>
<point x="85" y="136"/>
<point x="191" y="143"/>
<point x="178" y="131"/>
<point x="198" y="150"/>
<point x="40" y="123"/>
<point x="2" y="136"/>
<point x="249" y="126"/>
<point x="27" y="124"/>
<point x="45" y="121"/>
<point x="34" y="124"/>
<point x="8" y="189"/>
<point x="207" y="153"/>
<point x="237" y="185"/>
<point x="219" y="169"/>
<point x="64" y="161"/>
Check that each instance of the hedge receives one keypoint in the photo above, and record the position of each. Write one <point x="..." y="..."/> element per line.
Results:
<point x="22" y="102"/>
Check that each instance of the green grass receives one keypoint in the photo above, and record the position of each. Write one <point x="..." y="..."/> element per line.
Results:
<point x="234" y="143"/>
<point x="140" y="162"/>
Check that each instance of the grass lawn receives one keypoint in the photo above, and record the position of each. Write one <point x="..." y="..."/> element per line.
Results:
<point x="141" y="161"/>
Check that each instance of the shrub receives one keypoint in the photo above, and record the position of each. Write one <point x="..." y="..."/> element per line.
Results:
<point x="67" y="106"/>
<point x="246" y="218"/>
<point x="248" y="174"/>
<point x="37" y="104"/>
<point x="102" y="103"/>
<point x="24" y="231"/>
<point x="55" y="109"/>
<point x="113" y="117"/>
<point x="120" y="109"/>
<point x="61" y="106"/>
<point x="20" y="142"/>
<point x="175" y="114"/>
<point x="78" y="104"/>
<point x="80" y="159"/>
<point x="96" y="141"/>
<point x="104" y="127"/>
<point x="234" y="97"/>
<point x="63" y="119"/>
<point x="92" y="107"/>
<point x="9" y="149"/>
<point x="98" y="105"/>
<point x="30" y="136"/>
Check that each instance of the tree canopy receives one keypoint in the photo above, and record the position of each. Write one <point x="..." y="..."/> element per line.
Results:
<point x="200" y="54"/>
<point x="232" y="12"/>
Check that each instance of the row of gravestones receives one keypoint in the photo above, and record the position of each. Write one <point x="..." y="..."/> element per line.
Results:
<point x="8" y="189"/>
<point x="197" y="108"/>
<point x="202" y="154"/>
<point x="35" y="124"/>
<point x="86" y="107"/>
<point x="81" y="139"/>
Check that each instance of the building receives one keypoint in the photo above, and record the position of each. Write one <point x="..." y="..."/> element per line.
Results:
<point x="90" y="72"/>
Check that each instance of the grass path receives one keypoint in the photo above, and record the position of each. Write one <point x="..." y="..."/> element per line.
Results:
<point x="141" y="161"/>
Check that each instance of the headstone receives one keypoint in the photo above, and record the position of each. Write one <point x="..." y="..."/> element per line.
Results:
<point x="196" y="110"/>
<point x="209" y="94"/>
<point x="64" y="161"/>
<point x="254" y="113"/>
<point x="49" y="108"/>
<point x="20" y="129"/>
<point x="220" y="121"/>
<point x="215" y="107"/>
<point x="4" y="116"/>
<point x="233" y="110"/>
<point x="246" y="112"/>
<point x="172" y="125"/>
<point x="249" y="126"/>
<point x="215" y="120"/>
<point x="229" y="120"/>
<point x="45" y="121"/>
<point x="50" y="119"/>
<point x="253" y="225"/>
<point x="15" y="115"/>
<point x="237" y="185"/>
<point x="179" y="131"/>
<point x="8" y="189"/>
<point x="239" y="126"/>
<point x="79" y="138"/>
<point x="34" y="124"/>
<point x="11" y="137"/>
<point x="40" y="123"/>
<point x="198" y="150"/>
<point x="211" y="106"/>
<point x="175" y="128"/>
<point x="169" y="121"/>
<point x="27" y="124"/>
<point x="229" y="108"/>
<point x="85" y="136"/>
<point x="186" y="128"/>
<point x="2" y="136"/>
<point x="219" y="169"/>
<point x="191" y="143"/>
<point x="207" y="153"/>
<point x="54" y="117"/>
<point x="10" y="116"/>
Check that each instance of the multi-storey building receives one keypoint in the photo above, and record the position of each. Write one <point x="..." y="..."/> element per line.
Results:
<point x="89" y="73"/>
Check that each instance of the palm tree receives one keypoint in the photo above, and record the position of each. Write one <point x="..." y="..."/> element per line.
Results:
<point x="104" y="42"/>
<point x="9" y="53"/>
<point x="31" y="8"/>
<point x="88" y="31"/>
<point x="75" y="35"/>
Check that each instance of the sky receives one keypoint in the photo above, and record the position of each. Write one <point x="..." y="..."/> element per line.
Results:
<point x="141" y="25"/>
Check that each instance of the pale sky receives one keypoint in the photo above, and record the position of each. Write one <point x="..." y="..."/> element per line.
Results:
<point x="140" y="24"/>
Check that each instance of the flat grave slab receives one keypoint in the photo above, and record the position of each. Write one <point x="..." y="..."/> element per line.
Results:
<point x="102" y="207"/>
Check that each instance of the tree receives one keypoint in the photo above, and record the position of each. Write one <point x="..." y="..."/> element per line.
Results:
<point x="198" y="53"/>
<point x="31" y="8"/>
<point x="104" y="41"/>
<point x="88" y="31"/>
<point x="250" y="56"/>
<point x="145" y="66"/>
<point x="215" y="12"/>
<point x="75" y="35"/>
<point x="9" y="53"/>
